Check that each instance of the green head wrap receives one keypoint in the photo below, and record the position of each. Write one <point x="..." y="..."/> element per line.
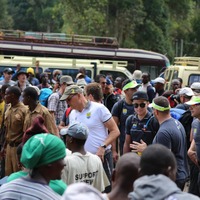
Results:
<point x="42" y="149"/>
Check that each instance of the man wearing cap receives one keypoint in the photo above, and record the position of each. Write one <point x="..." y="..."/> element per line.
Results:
<point x="195" y="112"/>
<point x="7" y="73"/>
<point x="109" y="97"/>
<point x="159" y="84"/>
<point x="195" y="87"/>
<point x="31" y="79"/>
<point x="123" y="108"/>
<point x="22" y="81"/>
<point x="172" y="135"/>
<point x="194" y="150"/>
<point x="82" y="166"/>
<point x="139" y="126"/>
<point x="99" y="121"/>
<point x="185" y="94"/>
<point x="55" y="106"/>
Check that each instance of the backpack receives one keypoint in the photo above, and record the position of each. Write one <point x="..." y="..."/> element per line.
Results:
<point x="44" y="95"/>
<point x="186" y="119"/>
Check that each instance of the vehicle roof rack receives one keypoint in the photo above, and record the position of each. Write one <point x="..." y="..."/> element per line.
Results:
<point x="187" y="61"/>
<point x="58" y="38"/>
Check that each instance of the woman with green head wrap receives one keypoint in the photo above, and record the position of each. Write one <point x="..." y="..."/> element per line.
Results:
<point x="43" y="155"/>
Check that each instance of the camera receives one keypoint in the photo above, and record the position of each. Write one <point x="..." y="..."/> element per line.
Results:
<point x="58" y="78"/>
<point x="175" y="97"/>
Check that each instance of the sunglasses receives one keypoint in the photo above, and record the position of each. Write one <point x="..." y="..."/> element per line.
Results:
<point x="142" y="105"/>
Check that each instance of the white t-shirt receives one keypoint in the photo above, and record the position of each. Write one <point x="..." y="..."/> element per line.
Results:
<point x="86" y="168"/>
<point x="93" y="116"/>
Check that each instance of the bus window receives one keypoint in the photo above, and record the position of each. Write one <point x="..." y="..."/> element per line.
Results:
<point x="71" y="72"/>
<point x="115" y="74"/>
<point x="152" y="70"/>
<point x="22" y="68"/>
<point x="193" y="78"/>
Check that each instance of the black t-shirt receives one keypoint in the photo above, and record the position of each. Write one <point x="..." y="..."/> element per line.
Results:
<point x="140" y="129"/>
<point x="122" y="110"/>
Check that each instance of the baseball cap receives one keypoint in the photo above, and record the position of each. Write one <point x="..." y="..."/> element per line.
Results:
<point x="187" y="91"/>
<point x="72" y="89"/>
<point x="140" y="95"/>
<point x="159" y="80"/>
<point x="80" y="75"/>
<point x="76" y="130"/>
<point x="48" y="71"/>
<point x="194" y="100"/>
<point x="8" y="70"/>
<point x="66" y="79"/>
<point x="132" y="84"/>
<point x="30" y="70"/>
<point x="22" y="72"/>
<point x="195" y="86"/>
<point x="81" y="82"/>
<point x="137" y="74"/>
<point x="108" y="81"/>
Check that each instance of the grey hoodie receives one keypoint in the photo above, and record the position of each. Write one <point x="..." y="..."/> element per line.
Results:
<point x="158" y="187"/>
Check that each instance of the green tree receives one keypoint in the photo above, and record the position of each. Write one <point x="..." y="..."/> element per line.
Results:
<point x="6" y="21"/>
<point x="154" y="34"/>
<point x="36" y="15"/>
<point x="85" y="17"/>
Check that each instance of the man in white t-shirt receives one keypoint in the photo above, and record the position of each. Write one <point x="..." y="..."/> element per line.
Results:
<point x="82" y="166"/>
<point x="99" y="121"/>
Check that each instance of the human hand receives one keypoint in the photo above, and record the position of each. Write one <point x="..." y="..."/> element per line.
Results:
<point x="115" y="156"/>
<point x="100" y="153"/>
<point x="138" y="146"/>
<point x="193" y="156"/>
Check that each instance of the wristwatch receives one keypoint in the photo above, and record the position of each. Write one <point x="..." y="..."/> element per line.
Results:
<point x="103" y="145"/>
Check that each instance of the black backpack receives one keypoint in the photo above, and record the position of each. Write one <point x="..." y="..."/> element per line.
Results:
<point x="186" y="120"/>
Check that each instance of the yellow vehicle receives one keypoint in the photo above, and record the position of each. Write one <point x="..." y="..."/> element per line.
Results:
<point x="187" y="68"/>
<point x="68" y="66"/>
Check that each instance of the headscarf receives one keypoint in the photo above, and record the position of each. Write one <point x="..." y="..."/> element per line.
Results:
<point x="37" y="127"/>
<point x="42" y="149"/>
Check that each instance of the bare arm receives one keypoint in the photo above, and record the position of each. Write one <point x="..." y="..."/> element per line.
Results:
<point x="113" y="131"/>
<point x="114" y="143"/>
<point x="112" y="136"/>
<point x="127" y="144"/>
<point x="192" y="153"/>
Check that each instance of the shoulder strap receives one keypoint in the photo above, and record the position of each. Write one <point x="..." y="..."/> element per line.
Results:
<point x="120" y="105"/>
<point x="68" y="111"/>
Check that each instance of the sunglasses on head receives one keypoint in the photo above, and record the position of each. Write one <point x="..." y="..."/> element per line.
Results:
<point x="142" y="105"/>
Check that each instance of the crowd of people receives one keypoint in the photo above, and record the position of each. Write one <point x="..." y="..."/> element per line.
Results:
<point x="103" y="139"/>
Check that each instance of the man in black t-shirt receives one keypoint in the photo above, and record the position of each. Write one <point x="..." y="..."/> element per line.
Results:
<point x="138" y="129"/>
<point x="123" y="108"/>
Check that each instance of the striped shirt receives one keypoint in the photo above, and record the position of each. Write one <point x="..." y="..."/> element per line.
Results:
<point x="23" y="189"/>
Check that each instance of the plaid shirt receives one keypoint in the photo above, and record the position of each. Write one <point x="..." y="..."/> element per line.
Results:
<point x="57" y="106"/>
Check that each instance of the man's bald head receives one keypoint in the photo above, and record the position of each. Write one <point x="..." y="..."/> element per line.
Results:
<point x="126" y="170"/>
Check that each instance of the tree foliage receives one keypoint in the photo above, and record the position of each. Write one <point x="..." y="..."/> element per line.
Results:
<point x="152" y="25"/>
<point x="6" y="21"/>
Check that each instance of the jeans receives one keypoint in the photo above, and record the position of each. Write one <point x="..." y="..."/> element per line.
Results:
<point x="108" y="167"/>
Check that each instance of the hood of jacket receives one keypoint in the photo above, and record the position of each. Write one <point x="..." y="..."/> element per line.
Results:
<point x="157" y="187"/>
